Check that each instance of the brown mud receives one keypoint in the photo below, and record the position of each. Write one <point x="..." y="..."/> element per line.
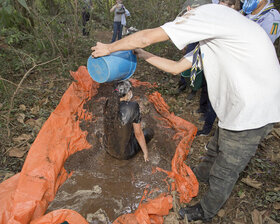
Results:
<point x="103" y="183"/>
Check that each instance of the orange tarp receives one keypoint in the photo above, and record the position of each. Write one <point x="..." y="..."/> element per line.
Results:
<point x="24" y="198"/>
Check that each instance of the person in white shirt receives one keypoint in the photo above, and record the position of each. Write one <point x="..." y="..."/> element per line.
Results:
<point x="243" y="79"/>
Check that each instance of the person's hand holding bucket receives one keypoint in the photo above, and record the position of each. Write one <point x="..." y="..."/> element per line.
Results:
<point x="100" y="50"/>
<point x="119" y="65"/>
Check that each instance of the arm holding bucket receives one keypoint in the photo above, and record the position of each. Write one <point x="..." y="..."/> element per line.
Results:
<point x="140" y="39"/>
<point x="167" y="65"/>
<point x="139" y="135"/>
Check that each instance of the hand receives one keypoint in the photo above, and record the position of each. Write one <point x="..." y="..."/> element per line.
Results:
<point x="139" y="52"/>
<point x="100" y="50"/>
<point x="146" y="157"/>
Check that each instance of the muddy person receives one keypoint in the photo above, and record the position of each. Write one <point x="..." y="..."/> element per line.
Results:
<point x="243" y="77"/>
<point x="123" y="134"/>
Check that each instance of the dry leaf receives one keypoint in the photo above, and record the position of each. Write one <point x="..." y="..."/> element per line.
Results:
<point x="171" y="218"/>
<point x="20" y="118"/>
<point x="1" y="106"/>
<point x="256" y="217"/>
<point x="23" y="137"/>
<point x="237" y="222"/>
<point x="30" y="122"/>
<point x="221" y="213"/>
<point x="4" y="175"/>
<point x="252" y="183"/>
<point x="276" y="189"/>
<point x="268" y="220"/>
<point x="39" y="122"/>
<point x="17" y="152"/>
<point x="276" y="205"/>
<point x="242" y="195"/>
<point x="51" y="85"/>
<point x="274" y="157"/>
<point x="46" y="100"/>
<point x="277" y="131"/>
<point x="35" y="109"/>
<point x="22" y="107"/>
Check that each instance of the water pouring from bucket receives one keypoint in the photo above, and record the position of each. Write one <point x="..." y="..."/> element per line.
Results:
<point x="119" y="65"/>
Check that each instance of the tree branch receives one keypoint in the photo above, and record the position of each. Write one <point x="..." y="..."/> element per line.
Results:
<point x="18" y="86"/>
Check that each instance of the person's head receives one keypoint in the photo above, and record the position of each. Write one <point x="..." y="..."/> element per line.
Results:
<point x="119" y="1"/>
<point x="250" y="6"/>
<point x="234" y="4"/>
<point x="123" y="90"/>
<point x="229" y="3"/>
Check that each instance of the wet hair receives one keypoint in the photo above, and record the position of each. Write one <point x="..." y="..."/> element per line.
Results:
<point x="122" y="88"/>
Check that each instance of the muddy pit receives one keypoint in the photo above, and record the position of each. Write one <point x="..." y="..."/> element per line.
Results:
<point x="102" y="188"/>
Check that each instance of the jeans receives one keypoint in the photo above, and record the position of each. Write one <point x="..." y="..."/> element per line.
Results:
<point x="85" y="18"/>
<point x="228" y="154"/>
<point x="117" y="31"/>
<point x="210" y="117"/>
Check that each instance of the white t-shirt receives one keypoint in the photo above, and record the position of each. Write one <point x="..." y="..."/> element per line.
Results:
<point x="240" y="64"/>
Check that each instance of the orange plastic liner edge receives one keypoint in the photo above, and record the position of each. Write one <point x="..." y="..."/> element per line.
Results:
<point x="25" y="197"/>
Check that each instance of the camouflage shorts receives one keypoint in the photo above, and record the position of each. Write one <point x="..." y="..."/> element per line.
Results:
<point x="228" y="154"/>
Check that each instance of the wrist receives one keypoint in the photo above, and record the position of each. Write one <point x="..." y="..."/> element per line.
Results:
<point x="109" y="48"/>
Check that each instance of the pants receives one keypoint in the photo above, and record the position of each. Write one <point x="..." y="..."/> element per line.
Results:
<point x="85" y="18"/>
<point x="228" y="154"/>
<point x="133" y="146"/>
<point x="210" y="117"/>
<point x="203" y="101"/>
<point x="117" y="31"/>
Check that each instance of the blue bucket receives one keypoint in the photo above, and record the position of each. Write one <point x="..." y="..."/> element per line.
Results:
<point x="119" y="65"/>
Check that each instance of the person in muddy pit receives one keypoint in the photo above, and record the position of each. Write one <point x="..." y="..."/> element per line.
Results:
<point x="242" y="73"/>
<point x="123" y="134"/>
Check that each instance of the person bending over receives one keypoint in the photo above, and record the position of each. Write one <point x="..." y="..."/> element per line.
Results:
<point x="123" y="135"/>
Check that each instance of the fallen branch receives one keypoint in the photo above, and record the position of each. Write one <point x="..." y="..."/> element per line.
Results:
<point x="5" y="80"/>
<point x="18" y="86"/>
<point x="8" y="81"/>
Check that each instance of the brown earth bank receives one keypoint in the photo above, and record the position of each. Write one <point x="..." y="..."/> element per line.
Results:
<point x="256" y="195"/>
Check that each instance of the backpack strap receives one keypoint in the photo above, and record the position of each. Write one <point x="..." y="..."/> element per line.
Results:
<point x="270" y="6"/>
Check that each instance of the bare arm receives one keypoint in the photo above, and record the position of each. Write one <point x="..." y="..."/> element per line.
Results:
<point x="139" y="135"/>
<point x="140" y="39"/>
<point x="167" y="65"/>
<point x="113" y="8"/>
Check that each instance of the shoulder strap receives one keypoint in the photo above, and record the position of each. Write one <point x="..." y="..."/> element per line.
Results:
<point x="270" y="6"/>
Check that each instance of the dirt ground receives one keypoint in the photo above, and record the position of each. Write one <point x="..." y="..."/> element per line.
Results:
<point x="255" y="197"/>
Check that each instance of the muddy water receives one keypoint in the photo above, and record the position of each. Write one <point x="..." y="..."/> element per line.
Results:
<point x="102" y="188"/>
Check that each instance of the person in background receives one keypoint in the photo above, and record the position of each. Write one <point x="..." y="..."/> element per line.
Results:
<point x="265" y="14"/>
<point x="123" y="20"/>
<point x="242" y="74"/>
<point x="118" y="10"/>
<point x="86" y="8"/>
<point x="123" y="135"/>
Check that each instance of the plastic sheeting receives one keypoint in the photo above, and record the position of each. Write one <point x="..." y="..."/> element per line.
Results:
<point x="24" y="198"/>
